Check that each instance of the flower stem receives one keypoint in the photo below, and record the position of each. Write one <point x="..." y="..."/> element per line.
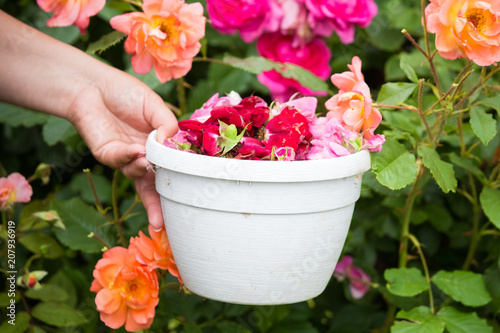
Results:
<point x="181" y="95"/>
<point x="405" y="226"/>
<point x="426" y="269"/>
<point x="96" y="197"/>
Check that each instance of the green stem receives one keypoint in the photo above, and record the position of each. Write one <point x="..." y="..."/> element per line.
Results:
<point x="116" y="213"/>
<point x="430" y="56"/>
<point x="389" y="319"/>
<point x="405" y="226"/>
<point x="426" y="269"/>
<point x="4" y="219"/>
<point x="387" y="106"/>
<point x="476" y="237"/>
<point x="96" y="197"/>
<point x="181" y="94"/>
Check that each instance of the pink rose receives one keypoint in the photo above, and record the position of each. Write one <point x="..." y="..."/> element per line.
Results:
<point x="14" y="188"/>
<point x="165" y="36"/>
<point x="340" y="16"/>
<point x="314" y="56"/>
<point x="249" y="17"/>
<point x="75" y="12"/>
<point x="358" y="279"/>
<point x="290" y="18"/>
<point x="203" y="113"/>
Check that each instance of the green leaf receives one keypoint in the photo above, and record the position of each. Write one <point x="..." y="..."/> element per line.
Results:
<point x="56" y="314"/>
<point x="17" y="116"/>
<point x="493" y="102"/>
<point x="302" y="75"/>
<point x="460" y="322"/>
<point x="254" y="64"/>
<point x="21" y="323"/>
<point x="469" y="165"/>
<point x="257" y="65"/>
<point x="407" y="69"/>
<point x="48" y="293"/>
<point x="442" y="172"/>
<point x="81" y="221"/>
<point x="465" y="287"/>
<point x="483" y="124"/>
<point x="421" y="320"/>
<point x="405" y="281"/>
<point x="105" y="42"/>
<point x="394" y="166"/>
<point x="490" y="200"/>
<point x="42" y="244"/>
<point x="57" y="130"/>
<point x="393" y="93"/>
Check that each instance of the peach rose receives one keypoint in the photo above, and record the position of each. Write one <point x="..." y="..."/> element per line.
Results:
<point x="127" y="292"/>
<point x="466" y="29"/>
<point x="165" y="36"/>
<point x="353" y="103"/>
<point x="14" y="188"/>
<point x="154" y="252"/>
<point x="71" y="12"/>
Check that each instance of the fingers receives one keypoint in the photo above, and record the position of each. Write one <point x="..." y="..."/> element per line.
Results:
<point x="165" y="131"/>
<point x="145" y="187"/>
<point x="137" y="168"/>
<point x="118" y="154"/>
<point x="160" y="117"/>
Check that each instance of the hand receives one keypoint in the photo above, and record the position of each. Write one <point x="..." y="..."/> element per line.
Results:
<point x="114" y="118"/>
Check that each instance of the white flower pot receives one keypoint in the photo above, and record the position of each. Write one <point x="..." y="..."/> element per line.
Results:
<point x="256" y="232"/>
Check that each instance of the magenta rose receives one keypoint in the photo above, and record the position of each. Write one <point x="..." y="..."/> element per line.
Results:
<point x="288" y="129"/>
<point x="340" y="16"/>
<point x="314" y="56"/>
<point x="249" y="17"/>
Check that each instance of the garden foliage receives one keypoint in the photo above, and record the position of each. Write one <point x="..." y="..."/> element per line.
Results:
<point x="424" y="240"/>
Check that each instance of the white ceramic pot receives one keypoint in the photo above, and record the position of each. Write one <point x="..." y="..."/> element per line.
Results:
<point x="256" y="232"/>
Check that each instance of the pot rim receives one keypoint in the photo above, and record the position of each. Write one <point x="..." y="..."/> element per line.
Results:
<point x="256" y="171"/>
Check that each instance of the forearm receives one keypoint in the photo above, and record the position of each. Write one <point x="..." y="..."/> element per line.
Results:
<point x="41" y="73"/>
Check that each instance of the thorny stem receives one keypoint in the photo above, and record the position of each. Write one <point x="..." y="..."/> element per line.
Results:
<point x="430" y="108"/>
<point x="481" y="83"/>
<point x="415" y="242"/>
<point x="429" y="56"/>
<point x="422" y="116"/>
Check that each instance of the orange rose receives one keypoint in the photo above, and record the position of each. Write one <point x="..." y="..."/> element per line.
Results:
<point x="166" y="36"/>
<point x="466" y="28"/>
<point x="127" y="292"/>
<point x="75" y="12"/>
<point x="154" y="252"/>
<point x="353" y="103"/>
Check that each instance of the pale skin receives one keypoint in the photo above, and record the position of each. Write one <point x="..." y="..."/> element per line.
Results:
<point x="113" y="111"/>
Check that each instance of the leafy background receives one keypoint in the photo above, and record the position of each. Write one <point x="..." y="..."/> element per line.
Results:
<point x="446" y="224"/>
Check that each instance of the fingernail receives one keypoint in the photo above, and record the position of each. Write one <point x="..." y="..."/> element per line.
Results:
<point x="142" y="153"/>
<point x="157" y="230"/>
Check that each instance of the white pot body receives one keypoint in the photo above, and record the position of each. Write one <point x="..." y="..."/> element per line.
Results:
<point x="256" y="232"/>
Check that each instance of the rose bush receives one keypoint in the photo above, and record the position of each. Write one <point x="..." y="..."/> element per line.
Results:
<point x="422" y="251"/>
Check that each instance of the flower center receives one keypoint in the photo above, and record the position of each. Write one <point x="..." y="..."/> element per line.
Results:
<point x="4" y="192"/>
<point x="135" y="289"/>
<point x="476" y="17"/>
<point x="165" y="28"/>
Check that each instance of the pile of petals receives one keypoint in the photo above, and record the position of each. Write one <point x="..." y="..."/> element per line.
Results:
<point x="248" y="128"/>
<point x="126" y="280"/>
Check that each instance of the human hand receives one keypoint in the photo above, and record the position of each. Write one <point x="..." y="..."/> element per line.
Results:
<point x="114" y="118"/>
